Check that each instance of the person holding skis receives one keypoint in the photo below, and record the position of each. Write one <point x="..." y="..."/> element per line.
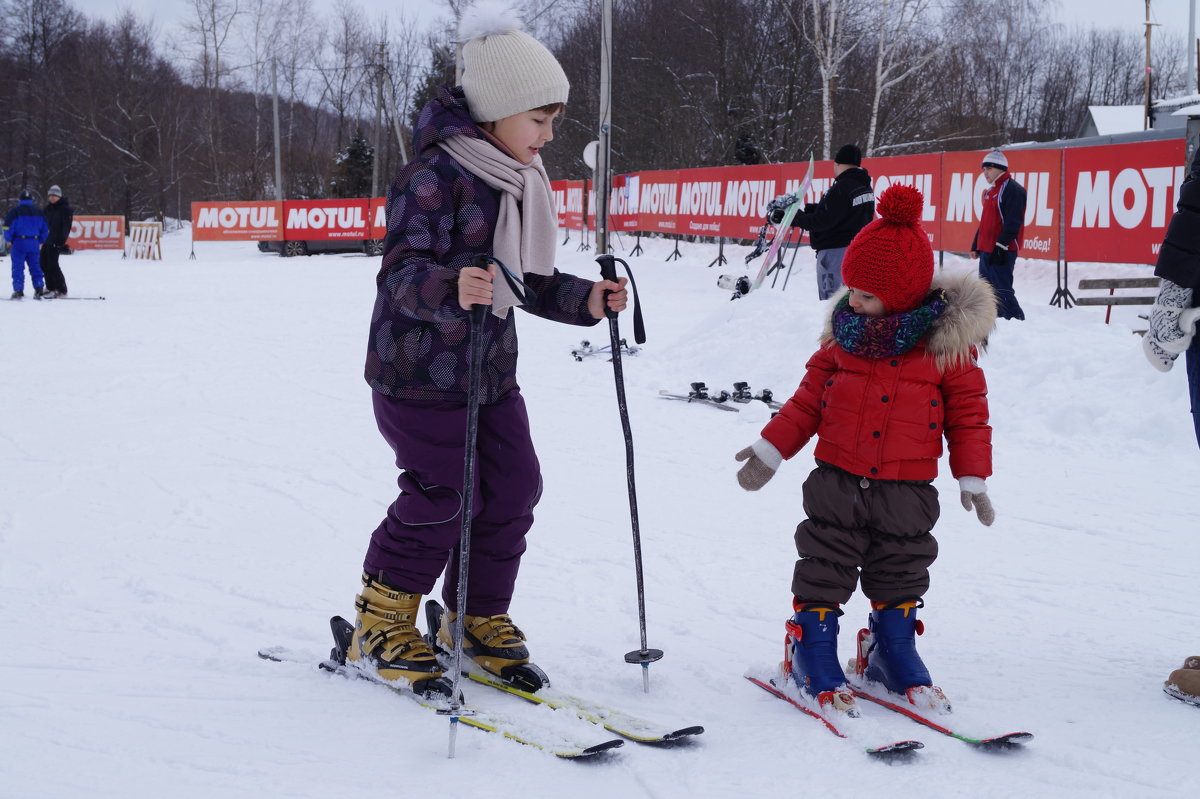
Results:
<point x="832" y="223"/>
<point x="894" y="375"/>
<point x="998" y="239"/>
<point x="25" y="230"/>
<point x="476" y="189"/>
<point x="59" y="215"/>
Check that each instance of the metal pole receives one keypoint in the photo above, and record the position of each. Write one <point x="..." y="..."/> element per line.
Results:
<point x="603" y="183"/>
<point x="275" y="113"/>
<point x="1146" y="119"/>
<point x="1193" y="83"/>
<point x="380" y="138"/>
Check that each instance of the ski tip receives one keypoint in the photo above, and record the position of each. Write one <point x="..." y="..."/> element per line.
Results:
<point x="272" y="653"/>
<point x="592" y="751"/>
<point x="896" y="748"/>
<point x="1009" y="739"/>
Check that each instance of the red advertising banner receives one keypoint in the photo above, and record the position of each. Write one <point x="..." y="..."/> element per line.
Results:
<point x="378" y="215"/>
<point x="558" y="191"/>
<point x="237" y="221"/>
<point x="658" y="201"/>
<point x="1120" y="198"/>
<point x="622" y="205"/>
<point x="575" y="204"/>
<point x="326" y="220"/>
<point x="923" y="172"/>
<point x="1038" y="171"/>
<point x="97" y="233"/>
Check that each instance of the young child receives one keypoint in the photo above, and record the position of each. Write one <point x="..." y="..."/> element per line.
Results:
<point x="477" y="188"/>
<point x="895" y="372"/>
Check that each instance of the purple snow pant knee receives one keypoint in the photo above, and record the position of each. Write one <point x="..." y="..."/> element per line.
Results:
<point x="419" y="536"/>
<point x="882" y="530"/>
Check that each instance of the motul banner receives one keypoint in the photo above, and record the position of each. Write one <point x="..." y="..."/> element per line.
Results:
<point x="575" y="193"/>
<point x="378" y="216"/>
<point x="327" y="220"/>
<point x="922" y="172"/>
<point x="1120" y="199"/>
<point x="97" y="233"/>
<point x="963" y="187"/>
<point x="237" y="221"/>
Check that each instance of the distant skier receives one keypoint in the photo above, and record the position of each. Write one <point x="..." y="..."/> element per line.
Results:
<point x="25" y="230"/>
<point x="832" y="223"/>
<point x="998" y="239"/>
<point x="895" y="373"/>
<point x="59" y="216"/>
<point x="476" y="188"/>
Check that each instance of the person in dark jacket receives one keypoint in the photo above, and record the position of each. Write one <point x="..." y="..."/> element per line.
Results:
<point x="1174" y="314"/>
<point x="998" y="239"/>
<point x="832" y="223"/>
<point x="25" y="230"/>
<point x="59" y="215"/>
<point x="476" y="188"/>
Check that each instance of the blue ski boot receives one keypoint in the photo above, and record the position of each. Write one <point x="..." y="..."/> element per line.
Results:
<point x="887" y="654"/>
<point x="810" y="656"/>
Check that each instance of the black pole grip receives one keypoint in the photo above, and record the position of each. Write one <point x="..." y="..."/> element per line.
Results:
<point x="608" y="271"/>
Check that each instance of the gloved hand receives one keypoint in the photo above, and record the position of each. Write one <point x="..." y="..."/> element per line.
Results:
<point x="999" y="252"/>
<point x="1172" y="319"/>
<point x="973" y="493"/>
<point x="762" y="461"/>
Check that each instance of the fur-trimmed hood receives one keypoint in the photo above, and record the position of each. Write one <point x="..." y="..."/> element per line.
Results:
<point x="965" y="325"/>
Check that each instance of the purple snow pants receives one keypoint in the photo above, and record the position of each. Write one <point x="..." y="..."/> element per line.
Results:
<point x="419" y="536"/>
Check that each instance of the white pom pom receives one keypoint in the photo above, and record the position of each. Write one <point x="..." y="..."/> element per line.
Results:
<point x="488" y="17"/>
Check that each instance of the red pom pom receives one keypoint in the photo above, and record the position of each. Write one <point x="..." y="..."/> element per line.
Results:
<point x="900" y="205"/>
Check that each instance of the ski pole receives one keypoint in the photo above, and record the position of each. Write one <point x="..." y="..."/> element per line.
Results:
<point x="608" y="271"/>
<point x="475" y="370"/>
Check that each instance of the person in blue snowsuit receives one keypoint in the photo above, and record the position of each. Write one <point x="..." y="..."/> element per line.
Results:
<point x="25" y="231"/>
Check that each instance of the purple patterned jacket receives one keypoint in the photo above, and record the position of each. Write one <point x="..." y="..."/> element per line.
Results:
<point x="439" y="217"/>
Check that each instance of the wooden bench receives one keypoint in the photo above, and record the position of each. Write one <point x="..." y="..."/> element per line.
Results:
<point x="1112" y="298"/>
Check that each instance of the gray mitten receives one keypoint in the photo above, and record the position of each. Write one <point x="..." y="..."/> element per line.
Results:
<point x="973" y="493"/>
<point x="1168" y="329"/>
<point x="762" y="461"/>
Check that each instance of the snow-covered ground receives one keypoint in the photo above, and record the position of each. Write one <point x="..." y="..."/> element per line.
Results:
<point x="190" y="471"/>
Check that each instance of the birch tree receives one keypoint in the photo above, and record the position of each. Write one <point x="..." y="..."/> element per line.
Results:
<point x="900" y="24"/>
<point x="823" y="24"/>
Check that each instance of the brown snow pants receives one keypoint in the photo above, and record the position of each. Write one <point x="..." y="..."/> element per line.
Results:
<point x="880" y="528"/>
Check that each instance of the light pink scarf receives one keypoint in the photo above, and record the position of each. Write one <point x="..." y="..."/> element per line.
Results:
<point x="526" y="232"/>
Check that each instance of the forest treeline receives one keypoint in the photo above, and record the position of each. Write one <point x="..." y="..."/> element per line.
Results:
<point x="715" y="82"/>
<point x="136" y="121"/>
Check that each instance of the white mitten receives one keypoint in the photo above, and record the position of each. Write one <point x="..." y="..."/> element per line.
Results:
<point x="973" y="493"/>
<point x="1169" y="330"/>
<point x="1159" y="358"/>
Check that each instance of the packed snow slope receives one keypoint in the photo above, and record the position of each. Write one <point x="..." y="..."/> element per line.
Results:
<point x="190" y="471"/>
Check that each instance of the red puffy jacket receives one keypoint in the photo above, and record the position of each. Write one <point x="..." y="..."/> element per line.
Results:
<point x="886" y="418"/>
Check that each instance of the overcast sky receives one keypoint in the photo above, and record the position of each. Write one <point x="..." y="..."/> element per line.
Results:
<point x="1126" y="14"/>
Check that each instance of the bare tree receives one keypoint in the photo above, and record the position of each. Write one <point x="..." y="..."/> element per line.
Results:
<point x="823" y="24"/>
<point x="896" y="58"/>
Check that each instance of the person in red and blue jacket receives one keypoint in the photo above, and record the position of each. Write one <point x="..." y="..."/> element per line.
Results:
<point x="25" y="230"/>
<point x="998" y="238"/>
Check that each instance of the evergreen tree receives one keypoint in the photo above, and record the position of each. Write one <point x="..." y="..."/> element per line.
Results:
<point x="352" y="168"/>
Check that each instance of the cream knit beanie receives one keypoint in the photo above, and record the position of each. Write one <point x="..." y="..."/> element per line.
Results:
<point x="505" y="70"/>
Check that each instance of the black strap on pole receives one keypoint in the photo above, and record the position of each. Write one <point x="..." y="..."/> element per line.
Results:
<point x="608" y="271"/>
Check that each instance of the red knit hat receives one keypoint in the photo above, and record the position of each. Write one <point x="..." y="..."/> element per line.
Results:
<point x="891" y="257"/>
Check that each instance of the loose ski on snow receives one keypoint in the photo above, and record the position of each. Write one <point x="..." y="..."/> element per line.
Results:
<point x="611" y="719"/>
<point x="742" y="393"/>
<point x="770" y="686"/>
<point x="699" y="395"/>
<point x="521" y="731"/>
<point x="587" y="350"/>
<point x="877" y="694"/>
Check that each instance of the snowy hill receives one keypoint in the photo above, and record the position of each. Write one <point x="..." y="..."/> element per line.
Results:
<point x="191" y="472"/>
